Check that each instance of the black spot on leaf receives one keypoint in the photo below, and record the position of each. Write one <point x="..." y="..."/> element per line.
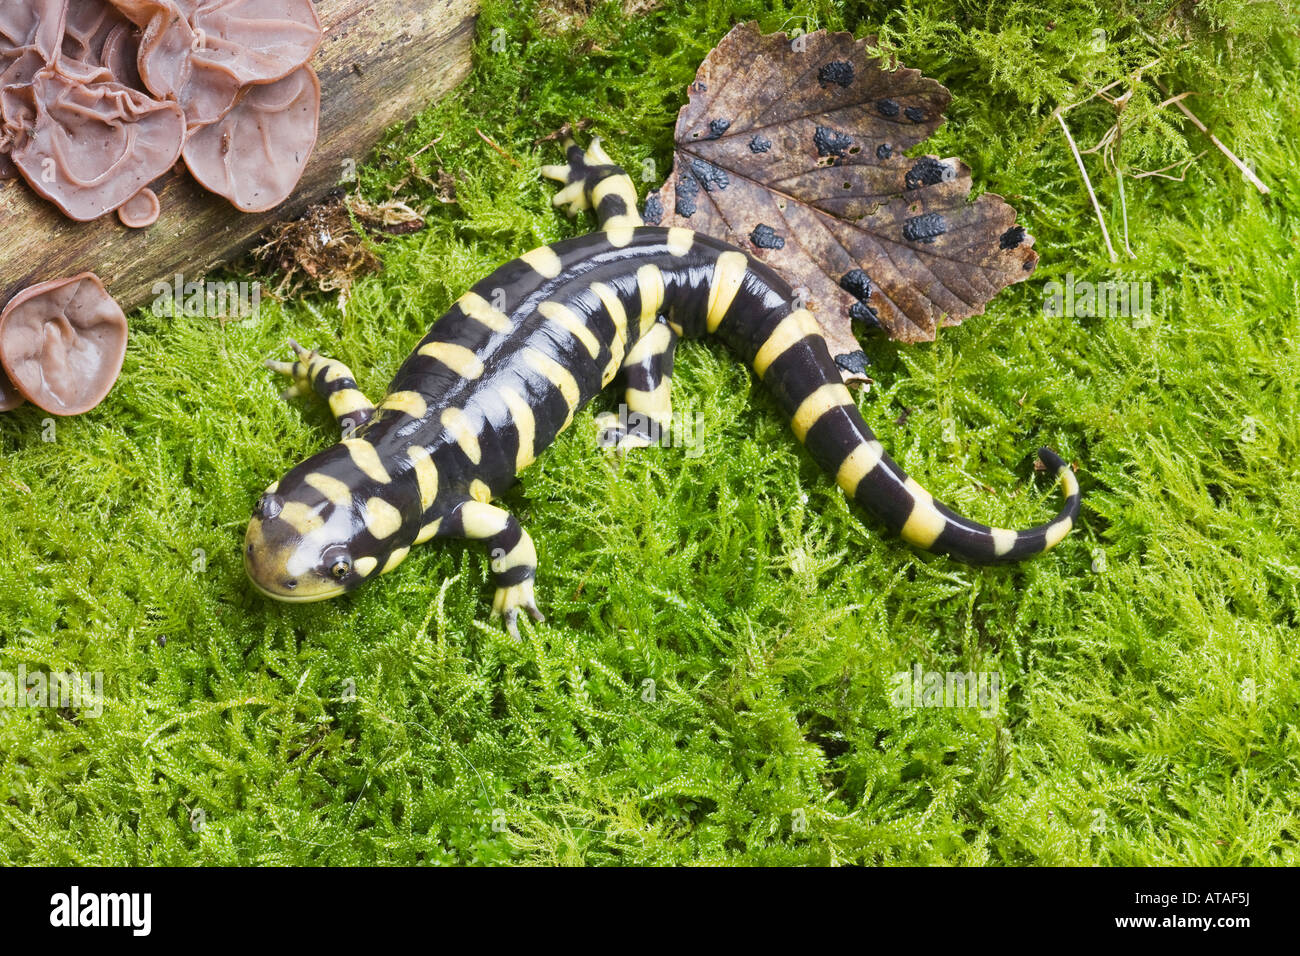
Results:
<point x="926" y="227"/>
<point x="759" y="145"/>
<point x="887" y="107"/>
<point x="687" y="190"/>
<point x="829" y="142"/>
<point x="1012" y="237"/>
<point x="654" y="209"/>
<point x="765" y="237"/>
<point x="855" y="363"/>
<point x="884" y="151"/>
<point x="717" y="127"/>
<point x="914" y="113"/>
<point x="710" y="176"/>
<point x="864" y="315"/>
<point x="927" y="172"/>
<point x="857" y="284"/>
<point x="837" y="71"/>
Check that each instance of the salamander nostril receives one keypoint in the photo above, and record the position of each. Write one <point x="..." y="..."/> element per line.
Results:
<point x="291" y="584"/>
<point x="250" y="549"/>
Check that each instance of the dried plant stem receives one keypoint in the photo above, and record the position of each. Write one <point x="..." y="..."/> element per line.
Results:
<point x="1105" y="234"/>
<point x="1161" y="172"/>
<point x="1245" y="170"/>
<point x="1123" y="205"/>
<point x="1110" y="86"/>
<point x="493" y="143"/>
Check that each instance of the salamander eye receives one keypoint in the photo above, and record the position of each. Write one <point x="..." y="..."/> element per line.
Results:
<point x="341" y="568"/>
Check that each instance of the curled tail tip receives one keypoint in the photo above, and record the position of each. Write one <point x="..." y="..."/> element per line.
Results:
<point x="1064" y="522"/>
<point x="1070" y="482"/>
<point x="1055" y="463"/>
<point x="1050" y="458"/>
<point x="1018" y="545"/>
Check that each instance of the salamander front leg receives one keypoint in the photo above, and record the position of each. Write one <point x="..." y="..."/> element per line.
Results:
<point x="648" y="401"/>
<point x="514" y="558"/>
<point x="331" y="380"/>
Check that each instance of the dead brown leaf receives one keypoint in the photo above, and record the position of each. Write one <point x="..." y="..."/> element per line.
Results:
<point x="793" y="150"/>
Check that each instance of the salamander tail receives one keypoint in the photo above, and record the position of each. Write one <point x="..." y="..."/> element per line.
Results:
<point x="788" y="351"/>
<point x="903" y="504"/>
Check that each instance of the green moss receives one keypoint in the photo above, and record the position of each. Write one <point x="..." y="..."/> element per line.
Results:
<point x="714" y="679"/>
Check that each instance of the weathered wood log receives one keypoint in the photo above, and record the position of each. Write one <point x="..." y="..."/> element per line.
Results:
<point x="381" y="62"/>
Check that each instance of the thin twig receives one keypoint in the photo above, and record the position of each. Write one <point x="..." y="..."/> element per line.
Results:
<point x="1105" y="142"/>
<point x="1172" y="100"/>
<point x="1088" y="182"/>
<point x="1107" y="146"/>
<point x="1185" y="163"/>
<point x="430" y="145"/>
<point x="1095" y="93"/>
<point x="488" y="139"/>
<point x="1123" y="206"/>
<point x="1245" y="170"/>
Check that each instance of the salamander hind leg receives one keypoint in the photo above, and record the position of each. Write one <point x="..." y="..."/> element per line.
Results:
<point x="332" y="381"/>
<point x="514" y="557"/>
<point x="647" y="411"/>
<point x="592" y="180"/>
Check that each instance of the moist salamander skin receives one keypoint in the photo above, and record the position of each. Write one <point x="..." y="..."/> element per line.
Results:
<point x="507" y="368"/>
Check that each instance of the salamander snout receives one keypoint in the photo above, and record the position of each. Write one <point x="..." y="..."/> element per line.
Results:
<point x="297" y="550"/>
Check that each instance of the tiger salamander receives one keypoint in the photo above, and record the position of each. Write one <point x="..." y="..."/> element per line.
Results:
<point x="507" y="368"/>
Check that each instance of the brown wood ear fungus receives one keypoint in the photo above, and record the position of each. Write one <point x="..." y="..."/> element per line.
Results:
<point x="61" y="345"/>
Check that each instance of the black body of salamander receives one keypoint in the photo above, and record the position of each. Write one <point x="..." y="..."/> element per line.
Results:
<point x="499" y="376"/>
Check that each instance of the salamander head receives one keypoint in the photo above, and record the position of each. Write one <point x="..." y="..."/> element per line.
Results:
<point x="301" y="539"/>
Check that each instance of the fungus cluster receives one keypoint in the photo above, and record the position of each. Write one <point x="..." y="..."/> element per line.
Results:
<point x="100" y="98"/>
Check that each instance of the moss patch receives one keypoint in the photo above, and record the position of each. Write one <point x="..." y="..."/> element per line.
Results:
<point x="714" y="680"/>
